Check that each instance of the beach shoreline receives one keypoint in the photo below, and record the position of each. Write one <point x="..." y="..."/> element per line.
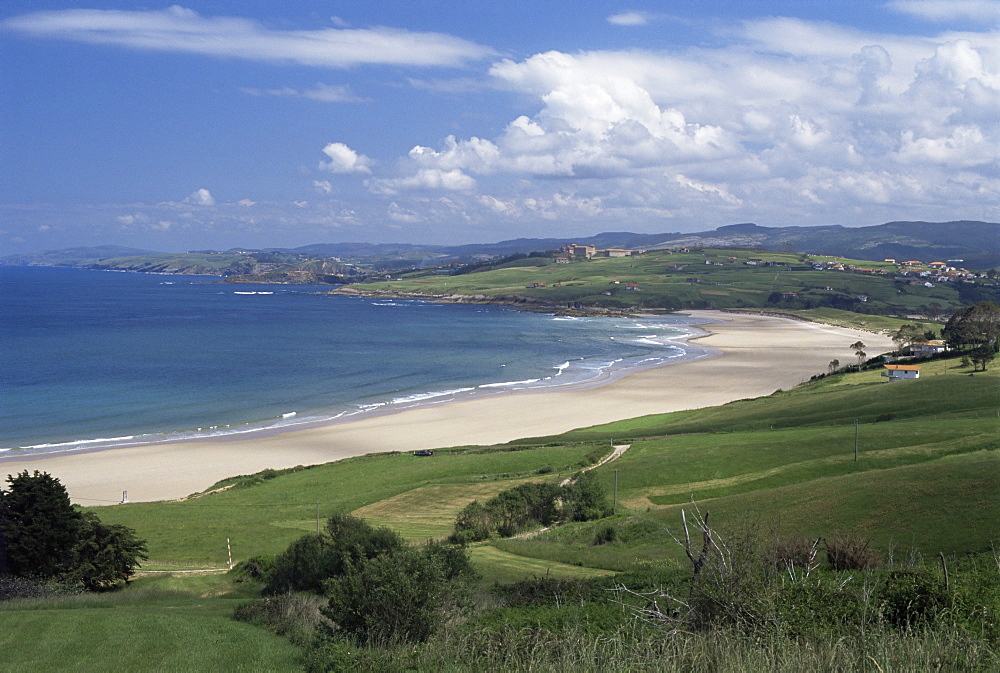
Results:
<point x="742" y="355"/>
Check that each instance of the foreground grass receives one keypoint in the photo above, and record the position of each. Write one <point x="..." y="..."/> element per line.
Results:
<point x="157" y="624"/>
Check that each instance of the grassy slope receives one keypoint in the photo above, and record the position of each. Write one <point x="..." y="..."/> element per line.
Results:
<point x="158" y="624"/>
<point x="265" y="518"/>
<point x="664" y="282"/>
<point x="928" y="477"/>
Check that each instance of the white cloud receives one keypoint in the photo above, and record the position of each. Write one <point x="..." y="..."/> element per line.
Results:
<point x="986" y="11"/>
<point x="630" y="19"/>
<point x="427" y="179"/>
<point x="177" y="29"/>
<point x="344" y="160"/>
<point x="323" y="186"/>
<point x="787" y="120"/>
<point x="200" y="197"/>
<point x="327" y="93"/>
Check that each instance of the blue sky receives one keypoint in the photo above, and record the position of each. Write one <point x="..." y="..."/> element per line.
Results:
<point x="264" y="124"/>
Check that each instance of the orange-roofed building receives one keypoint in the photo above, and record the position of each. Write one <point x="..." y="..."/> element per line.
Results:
<point x="901" y="372"/>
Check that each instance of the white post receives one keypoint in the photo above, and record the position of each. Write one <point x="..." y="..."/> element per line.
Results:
<point x="230" y="550"/>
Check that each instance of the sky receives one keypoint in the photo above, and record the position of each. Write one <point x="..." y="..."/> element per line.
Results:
<point x="216" y="124"/>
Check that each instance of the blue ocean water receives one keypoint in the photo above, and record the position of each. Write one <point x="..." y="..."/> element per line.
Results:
<point x="91" y="358"/>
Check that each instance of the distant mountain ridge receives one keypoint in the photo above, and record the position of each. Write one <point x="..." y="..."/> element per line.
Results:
<point x="976" y="243"/>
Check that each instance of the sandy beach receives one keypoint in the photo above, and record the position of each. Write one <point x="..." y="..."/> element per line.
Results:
<point x="757" y="355"/>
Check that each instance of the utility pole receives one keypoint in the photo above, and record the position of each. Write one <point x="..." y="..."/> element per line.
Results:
<point x="229" y="549"/>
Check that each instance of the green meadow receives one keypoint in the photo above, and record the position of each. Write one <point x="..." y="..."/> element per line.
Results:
<point x="703" y="278"/>
<point x="911" y="466"/>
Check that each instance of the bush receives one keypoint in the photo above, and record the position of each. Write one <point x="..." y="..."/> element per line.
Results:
<point x="256" y="569"/>
<point x="295" y="616"/>
<point x="911" y="598"/>
<point x="20" y="588"/>
<point x="395" y="597"/>
<point x="850" y="553"/>
<point x="312" y="559"/>
<point x="785" y="553"/>
<point x="605" y="534"/>
<point x="585" y="499"/>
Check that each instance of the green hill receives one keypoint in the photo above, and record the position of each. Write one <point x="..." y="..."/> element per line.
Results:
<point x="702" y="278"/>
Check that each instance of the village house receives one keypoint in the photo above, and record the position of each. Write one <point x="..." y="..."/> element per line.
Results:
<point x="901" y="372"/>
<point x="925" y="349"/>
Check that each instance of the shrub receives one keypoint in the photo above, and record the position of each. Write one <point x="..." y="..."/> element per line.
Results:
<point x="585" y="499"/>
<point x="394" y="597"/>
<point x="850" y="553"/>
<point x="312" y="559"/>
<point x="19" y="588"/>
<point x="911" y="598"/>
<point x="255" y="569"/>
<point x="798" y="552"/>
<point x="295" y="616"/>
<point x="605" y="534"/>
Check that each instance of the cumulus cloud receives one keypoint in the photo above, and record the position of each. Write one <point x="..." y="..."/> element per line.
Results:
<point x="344" y="160"/>
<point x="178" y="29"/>
<point x="784" y="121"/>
<point x="200" y="197"/>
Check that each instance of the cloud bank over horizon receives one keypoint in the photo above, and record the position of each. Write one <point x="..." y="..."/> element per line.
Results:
<point x="779" y="120"/>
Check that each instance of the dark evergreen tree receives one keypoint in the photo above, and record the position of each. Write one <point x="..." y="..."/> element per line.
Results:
<point x="41" y="528"/>
<point x="105" y="554"/>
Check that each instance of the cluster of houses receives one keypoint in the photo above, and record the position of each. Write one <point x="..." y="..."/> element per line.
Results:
<point x="919" y="349"/>
<point x="587" y="251"/>
<point x="914" y="271"/>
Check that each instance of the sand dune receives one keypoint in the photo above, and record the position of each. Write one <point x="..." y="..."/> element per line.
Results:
<point x="757" y="355"/>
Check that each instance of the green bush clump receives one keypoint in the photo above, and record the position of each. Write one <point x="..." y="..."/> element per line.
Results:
<point x="312" y="559"/>
<point x="912" y="598"/>
<point x="355" y="583"/>
<point x="533" y="504"/>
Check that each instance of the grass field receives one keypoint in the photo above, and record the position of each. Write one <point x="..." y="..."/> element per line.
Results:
<point x="399" y="489"/>
<point x="159" y="624"/>
<point x="702" y="278"/>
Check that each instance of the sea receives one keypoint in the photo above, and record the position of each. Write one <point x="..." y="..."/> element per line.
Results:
<point x="92" y="359"/>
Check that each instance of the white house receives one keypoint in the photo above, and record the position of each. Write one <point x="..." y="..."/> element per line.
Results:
<point x="925" y="349"/>
<point x="900" y="372"/>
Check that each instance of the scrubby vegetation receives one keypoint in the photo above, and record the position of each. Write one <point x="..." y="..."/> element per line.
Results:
<point x="532" y="504"/>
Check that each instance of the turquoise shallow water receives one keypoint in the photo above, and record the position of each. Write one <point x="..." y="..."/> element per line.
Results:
<point x="101" y="359"/>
